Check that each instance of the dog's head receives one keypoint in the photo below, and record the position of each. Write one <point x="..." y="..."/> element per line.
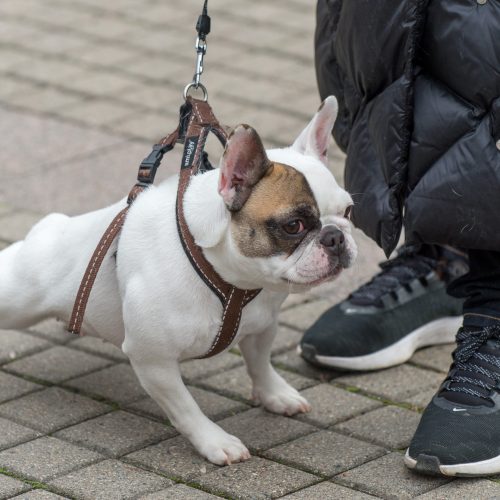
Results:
<point x="286" y="220"/>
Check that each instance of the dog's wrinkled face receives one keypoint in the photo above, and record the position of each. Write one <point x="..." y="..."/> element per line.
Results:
<point x="289" y="217"/>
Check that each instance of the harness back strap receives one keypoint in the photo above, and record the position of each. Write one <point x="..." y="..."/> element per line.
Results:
<point x="196" y="122"/>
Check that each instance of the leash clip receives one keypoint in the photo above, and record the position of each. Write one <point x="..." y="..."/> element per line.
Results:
<point x="201" y="50"/>
<point x="203" y="29"/>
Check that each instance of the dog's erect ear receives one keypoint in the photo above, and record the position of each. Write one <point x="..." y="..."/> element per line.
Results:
<point x="243" y="164"/>
<point x="314" y="139"/>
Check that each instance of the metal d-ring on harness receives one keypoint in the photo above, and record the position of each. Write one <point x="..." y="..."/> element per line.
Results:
<point x="196" y="121"/>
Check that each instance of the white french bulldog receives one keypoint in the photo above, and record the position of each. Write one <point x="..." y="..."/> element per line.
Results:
<point x="285" y="233"/>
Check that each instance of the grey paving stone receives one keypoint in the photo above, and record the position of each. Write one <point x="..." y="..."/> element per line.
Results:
<point x="153" y="97"/>
<point x="5" y="209"/>
<point x="13" y="387"/>
<point x="388" y="474"/>
<point x="212" y="405"/>
<point x="13" y="86"/>
<point x="436" y="358"/>
<point x="290" y="360"/>
<point x="99" y="347"/>
<point x="389" y="426"/>
<point x="295" y="299"/>
<point x="421" y="399"/>
<point x="479" y="489"/>
<point x="331" y="405"/>
<point x="260" y="430"/>
<point x="99" y="112"/>
<point x="45" y="458"/>
<point x="203" y="368"/>
<point x="57" y="364"/>
<point x="116" y="433"/>
<point x="47" y="70"/>
<point x="53" y="330"/>
<point x="179" y="492"/>
<point x="256" y="478"/>
<point x="14" y="344"/>
<point x="327" y="491"/>
<point x="286" y="338"/>
<point x="117" y="383"/>
<point x="51" y="409"/>
<point x="11" y="57"/>
<point x="303" y="316"/>
<point x="106" y="55"/>
<point x="13" y="434"/>
<point x="176" y="458"/>
<point x="38" y="495"/>
<point x="70" y="187"/>
<point x="10" y="486"/>
<point x="325" y="453"/>
<point x="110" y="480"/>
<point x="3" y="244"/>
<point x="237" y="383"/>
<point x="152" y="126"/>
<point x="102" y="83"/>
<point x="395" y="384"/>
<point x="44" y="99"/>
<point x="15" y="226"/>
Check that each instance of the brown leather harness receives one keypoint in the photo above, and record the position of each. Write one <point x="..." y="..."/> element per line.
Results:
<point x="196" y="122"/>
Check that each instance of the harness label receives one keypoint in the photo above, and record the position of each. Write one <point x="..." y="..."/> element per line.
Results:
<point x="189" y="149"/>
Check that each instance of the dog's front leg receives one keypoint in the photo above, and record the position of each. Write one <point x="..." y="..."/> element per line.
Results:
<point x="162" y="380"/>
<point x="269" y="388"/>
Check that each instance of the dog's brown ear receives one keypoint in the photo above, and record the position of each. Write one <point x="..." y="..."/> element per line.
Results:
<point x="243" y="164"/>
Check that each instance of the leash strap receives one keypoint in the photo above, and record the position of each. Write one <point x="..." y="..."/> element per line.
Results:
<point x="196" y="122"/>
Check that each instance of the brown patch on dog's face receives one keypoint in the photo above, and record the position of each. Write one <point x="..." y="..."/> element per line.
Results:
<point x="279" y="215"/>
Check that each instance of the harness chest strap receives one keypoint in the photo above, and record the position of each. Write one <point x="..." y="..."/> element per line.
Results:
<point x="196" y="123"/>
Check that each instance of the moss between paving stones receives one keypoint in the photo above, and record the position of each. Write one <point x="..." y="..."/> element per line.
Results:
<point x="36" y="485"/>
<point x="385" y="401"/>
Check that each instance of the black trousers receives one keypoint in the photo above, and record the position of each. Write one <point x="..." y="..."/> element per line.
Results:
<point x="480" y="288"/>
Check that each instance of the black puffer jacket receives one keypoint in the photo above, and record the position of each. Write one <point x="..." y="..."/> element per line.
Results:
<point x="418" y="82"/>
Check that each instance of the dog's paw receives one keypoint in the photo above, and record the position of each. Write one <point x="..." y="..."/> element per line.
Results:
<point x="221" y="448"/>
<point x="284" y="400"/>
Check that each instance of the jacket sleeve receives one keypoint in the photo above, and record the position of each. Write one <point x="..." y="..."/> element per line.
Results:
<point x="328" y="73"/>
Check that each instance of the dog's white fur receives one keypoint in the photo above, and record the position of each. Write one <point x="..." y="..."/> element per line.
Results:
<point x="150" y="302"/>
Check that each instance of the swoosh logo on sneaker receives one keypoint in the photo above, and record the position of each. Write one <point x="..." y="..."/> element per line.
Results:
<point x="459" y="409"/>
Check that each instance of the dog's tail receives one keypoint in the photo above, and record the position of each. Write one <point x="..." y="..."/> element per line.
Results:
<point x="23" y="278"/>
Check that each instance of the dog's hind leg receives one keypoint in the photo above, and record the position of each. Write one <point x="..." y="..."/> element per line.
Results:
<point x="18" y="299"/>
<point x="161" y="378"/>
<point x="26" y="279"/>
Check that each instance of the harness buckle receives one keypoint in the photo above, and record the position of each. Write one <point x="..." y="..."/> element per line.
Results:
<point x="153" y="160"/>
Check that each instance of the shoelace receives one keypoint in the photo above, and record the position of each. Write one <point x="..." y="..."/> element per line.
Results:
<point x="473" y="372"/>
<point x="395" y="273"/>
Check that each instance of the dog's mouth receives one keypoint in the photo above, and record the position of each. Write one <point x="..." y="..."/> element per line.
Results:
<point x="315" y="281"/>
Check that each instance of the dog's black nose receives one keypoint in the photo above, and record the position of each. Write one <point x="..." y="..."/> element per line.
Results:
<point x="332" y="238"/>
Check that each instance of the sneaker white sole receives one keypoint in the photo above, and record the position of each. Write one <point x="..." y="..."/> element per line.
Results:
<point x="440" y="331"/>
<point x="482" y="468"/>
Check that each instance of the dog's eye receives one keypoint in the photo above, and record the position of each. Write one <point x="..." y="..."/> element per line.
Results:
<point x="295" y="226"/>
<point x="347" y="213"/>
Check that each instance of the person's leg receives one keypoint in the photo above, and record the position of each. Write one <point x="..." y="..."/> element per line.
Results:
<point x="459" y="433"/>
<point x="401" y="309"/>
<point x="480" y="288"/>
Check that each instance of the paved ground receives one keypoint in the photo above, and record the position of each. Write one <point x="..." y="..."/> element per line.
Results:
<point x="85" y="87"/>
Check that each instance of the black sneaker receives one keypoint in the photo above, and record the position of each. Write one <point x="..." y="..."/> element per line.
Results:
<point x="403" y="308"/>
<point x="459" y="433"/>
